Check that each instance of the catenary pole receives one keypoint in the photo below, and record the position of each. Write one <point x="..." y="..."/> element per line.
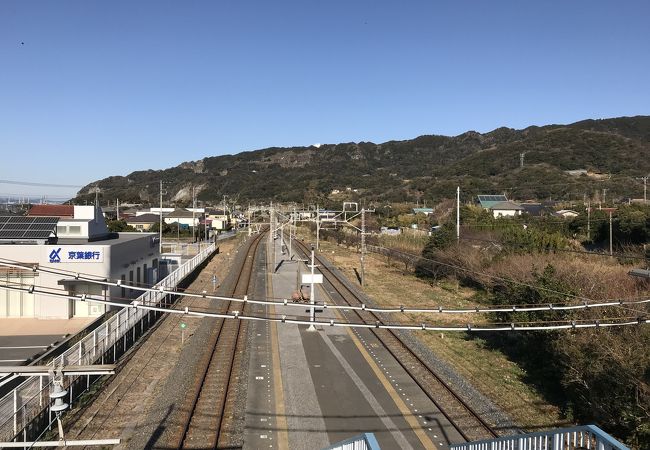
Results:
<point x="458" y="213"/>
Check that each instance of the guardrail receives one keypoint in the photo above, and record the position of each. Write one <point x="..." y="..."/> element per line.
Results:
<point x="585" y="437"/>
<point x="366" y="441"/>
<point x="26" y="408"/>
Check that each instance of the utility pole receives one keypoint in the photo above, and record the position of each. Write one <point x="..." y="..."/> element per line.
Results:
<point x="645" y="188"/>
<point x="193" y="212"/>
<point x="291" y="225"/>
<point x="117" y="208"/>
<point x="610" y="234"/>
<point x="317" y="228"/>
<point x="272" y="233"/>
<point x="604" y="194"/>
<point x="250" y="230"/>
<point x="160" y="223"/>
<point x="589" y="221"/>
<point x="312" y="295"/>
<point x="363" y="246"/>
<point x="458" y="214"/>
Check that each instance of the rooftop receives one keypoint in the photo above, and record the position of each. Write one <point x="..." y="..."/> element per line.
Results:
<point x="144" y="218"/>
<point x="51" y="211"/>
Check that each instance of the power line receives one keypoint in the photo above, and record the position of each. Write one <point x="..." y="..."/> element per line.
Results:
<point x="513" y="326"/>
<point x="29" y="183"/>
<point x="324" y="305"/>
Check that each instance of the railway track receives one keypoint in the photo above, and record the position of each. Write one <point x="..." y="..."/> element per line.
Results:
<point x="458" y="412"/>
<point x="210" y="404"/>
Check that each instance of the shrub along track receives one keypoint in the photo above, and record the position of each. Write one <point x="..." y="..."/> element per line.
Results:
<point x="208" y="407"/>
<point x="458" y="412"/>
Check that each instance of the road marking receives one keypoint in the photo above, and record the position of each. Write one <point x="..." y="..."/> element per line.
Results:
<point x="281" y="418"/>
<point x="26" y="346"/>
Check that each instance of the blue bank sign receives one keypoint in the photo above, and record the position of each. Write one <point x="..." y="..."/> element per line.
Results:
<point x="75" y="254"/>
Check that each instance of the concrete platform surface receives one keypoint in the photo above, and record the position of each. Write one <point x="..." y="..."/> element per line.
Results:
<point x="22" y="339"/>
<point x="36" y="327"/>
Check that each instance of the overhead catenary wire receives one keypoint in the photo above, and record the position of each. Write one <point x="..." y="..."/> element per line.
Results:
<point x="285" y="302"/>
<point x="513" y="326"/>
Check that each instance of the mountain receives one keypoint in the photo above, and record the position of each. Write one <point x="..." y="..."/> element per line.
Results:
<point x="612" y="151"/>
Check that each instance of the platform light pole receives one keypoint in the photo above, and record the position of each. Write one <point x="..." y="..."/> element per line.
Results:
<point x="312" y="295"/>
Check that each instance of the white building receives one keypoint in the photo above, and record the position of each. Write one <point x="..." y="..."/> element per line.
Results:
<point x="506" y="209"/>
<point x="81" y="244"/>
<point x="183" y="217"/>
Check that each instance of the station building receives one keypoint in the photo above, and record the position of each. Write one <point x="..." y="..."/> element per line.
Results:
<point x="74" y="239"/>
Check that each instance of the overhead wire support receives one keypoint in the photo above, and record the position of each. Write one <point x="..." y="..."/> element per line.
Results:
<point x="513" y="326"/>
<point x="285" y="302"/>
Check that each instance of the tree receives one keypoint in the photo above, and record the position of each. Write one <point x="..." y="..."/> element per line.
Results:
<point x="117" y="226"/>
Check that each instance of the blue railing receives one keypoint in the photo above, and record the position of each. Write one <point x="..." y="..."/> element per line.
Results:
<point x="583" y="437"/>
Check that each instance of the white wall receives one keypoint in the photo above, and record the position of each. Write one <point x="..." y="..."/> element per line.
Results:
<point x="113" y="259"/>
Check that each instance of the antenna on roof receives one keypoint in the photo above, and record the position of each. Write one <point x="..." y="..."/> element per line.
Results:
<point x="96" y="190"/>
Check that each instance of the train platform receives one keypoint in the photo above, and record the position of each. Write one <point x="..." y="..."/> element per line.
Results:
<point x="315" y="388"/>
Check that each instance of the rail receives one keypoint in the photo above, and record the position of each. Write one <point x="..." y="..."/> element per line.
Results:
<point x="30" y="400"/>
<point x="578" y="438"/>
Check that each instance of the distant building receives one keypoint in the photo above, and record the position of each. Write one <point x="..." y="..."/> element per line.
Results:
<point x="391" y="231"/>
<point x="577" y="172"/>
<point x="533" y="209"/>
<point x="566" y="213"/>
<point x="183" y="217"/>
<point x="427" y="211"/>
<point x="487" y="201"/>
<point x="219" y="219"/>
<point x="506" y="209"/>
<point x="143" y="222"/>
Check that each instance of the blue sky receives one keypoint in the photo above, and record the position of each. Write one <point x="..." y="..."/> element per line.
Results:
<point x="90" y="89"/>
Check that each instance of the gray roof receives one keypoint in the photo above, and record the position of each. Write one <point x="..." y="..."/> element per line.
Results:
<point x="144" y="218"/>
<point x="181" y="213"/>
<point x="503" y="206"/>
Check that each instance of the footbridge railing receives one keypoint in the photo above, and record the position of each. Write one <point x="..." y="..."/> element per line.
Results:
<point x="585" y="437"/>
<point x="25" y="409"/>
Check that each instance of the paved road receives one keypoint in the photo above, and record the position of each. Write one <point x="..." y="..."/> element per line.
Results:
<point x="15" y="350"/>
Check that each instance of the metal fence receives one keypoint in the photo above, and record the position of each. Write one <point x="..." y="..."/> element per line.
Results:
<point x="26" y="408"/>
<point x="586" y="437"/>
<point x="366" y="441"/>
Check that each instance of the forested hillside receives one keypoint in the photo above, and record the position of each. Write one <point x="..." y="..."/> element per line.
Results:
<point x="613" y="151"/>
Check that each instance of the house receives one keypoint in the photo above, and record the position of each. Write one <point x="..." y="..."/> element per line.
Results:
<point x="566" y="213"/>
<point x="506" y="209"/>
<point x="427" y="211"/>
<point x="220" y="219"/>
<point x="533" y="209"/>
<point x="183" y="217"/>
<point x="487" y="201"/>
<point x="143" y="222"/>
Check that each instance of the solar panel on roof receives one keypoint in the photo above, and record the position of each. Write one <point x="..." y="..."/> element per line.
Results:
<point x="492" y="198"/>
<point x="28" y="228"/>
